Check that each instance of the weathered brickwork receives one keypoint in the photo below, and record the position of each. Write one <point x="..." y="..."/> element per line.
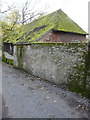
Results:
<point x="53" y="36"/>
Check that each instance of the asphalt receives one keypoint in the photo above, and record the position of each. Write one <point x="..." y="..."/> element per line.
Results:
<point x="0" y="90"/>
<point x="27" y="96"/>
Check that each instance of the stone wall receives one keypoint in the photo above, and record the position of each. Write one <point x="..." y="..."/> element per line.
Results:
<point x="53" y="62"/>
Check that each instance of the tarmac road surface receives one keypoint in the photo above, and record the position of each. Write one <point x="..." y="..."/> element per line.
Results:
<point x="27" y="96"/>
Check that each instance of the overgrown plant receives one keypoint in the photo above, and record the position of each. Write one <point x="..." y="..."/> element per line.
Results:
<point x="20" y="55"/>
<point x="6" y="60"/>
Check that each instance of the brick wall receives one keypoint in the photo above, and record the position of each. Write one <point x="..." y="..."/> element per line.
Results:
<point x="53" y="36"/>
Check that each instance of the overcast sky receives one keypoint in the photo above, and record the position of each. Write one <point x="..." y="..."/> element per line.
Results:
<point x="77" y="10"/>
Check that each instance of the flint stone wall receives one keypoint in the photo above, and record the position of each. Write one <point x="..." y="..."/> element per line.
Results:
<point x="53" y="62"/>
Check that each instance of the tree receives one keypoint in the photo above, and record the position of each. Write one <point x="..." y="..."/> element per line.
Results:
<point x="5" y="28"/>
<point x="28" y="15"/>
<point x="13" y="19"/>
<point x="13" y="22"/>
<point x="7" y="9"/>
<point x="3" y="34"/>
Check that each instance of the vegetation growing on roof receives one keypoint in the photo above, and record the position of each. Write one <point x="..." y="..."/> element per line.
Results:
<point x="31" y="32"/>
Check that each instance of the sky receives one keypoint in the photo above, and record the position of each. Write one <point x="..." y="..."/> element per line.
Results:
<point x="77" y="10"/>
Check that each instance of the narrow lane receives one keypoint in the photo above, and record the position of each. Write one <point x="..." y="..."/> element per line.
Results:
<point x="26" y="96"/>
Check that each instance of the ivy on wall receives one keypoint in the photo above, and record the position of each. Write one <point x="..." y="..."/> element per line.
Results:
<point x="81" y="78"/>
<point x="20" y="55"/>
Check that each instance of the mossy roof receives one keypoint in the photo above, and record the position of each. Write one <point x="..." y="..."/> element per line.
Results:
<point x="57" y="20"/>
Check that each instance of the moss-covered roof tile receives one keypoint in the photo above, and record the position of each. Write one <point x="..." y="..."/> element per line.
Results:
<point x="31" y="32"/>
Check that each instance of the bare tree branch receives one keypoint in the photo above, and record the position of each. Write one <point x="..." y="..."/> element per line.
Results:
<point x="27" y="14"/>
<point x="32" y="17"/>
<point x="33" y="5"/>
<point x="9" y="8"/>
<point x="25" y="10"/>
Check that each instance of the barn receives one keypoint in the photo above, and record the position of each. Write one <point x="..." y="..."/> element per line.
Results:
<point x="54" y="27"/>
